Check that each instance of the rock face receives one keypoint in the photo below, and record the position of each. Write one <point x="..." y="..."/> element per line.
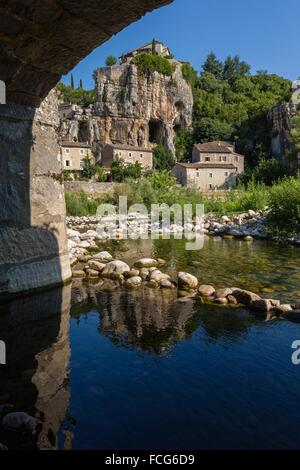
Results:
<point x="281" y="116"/>
<point x="134" y="110"/>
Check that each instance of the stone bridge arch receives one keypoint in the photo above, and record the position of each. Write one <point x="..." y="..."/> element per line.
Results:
<point x="40" y="41"/>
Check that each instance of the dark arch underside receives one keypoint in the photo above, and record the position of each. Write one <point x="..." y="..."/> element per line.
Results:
<point x="42" y="40"/>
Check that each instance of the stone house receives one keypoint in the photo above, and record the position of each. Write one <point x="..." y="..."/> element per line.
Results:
<point x="128" y="154"/>
<point x="73" y="155"/>
<point x="215" y="165"/>
<point x="160" y="49"/>
<point x="218" y="152"/>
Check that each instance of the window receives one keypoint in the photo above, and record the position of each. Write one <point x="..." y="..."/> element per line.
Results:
<point x="81" y="164"/>
<point x="130" y="154"/>
<point x="197" y="174"/>
<point x="210" y="186"/>
<point x="68" y="163"/>
<point x="236" y="159"/>
<point x="67" y="150"/>
<point x="81" y="151"/>
<point x="141" y="155"/>
<point x="207" y="159"/>
<point x="222" y="158"/>
<point x="226" y="173"/>
<point x="210" y="175"/>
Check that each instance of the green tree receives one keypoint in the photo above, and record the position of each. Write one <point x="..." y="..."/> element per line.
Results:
<point x="154" y="47"/>
<point x="213" y="66"/>
<point x="118" y="170"/>
<point x="183" y="144"/>
<point x="189" y="74"/>
<point x="81" y="84"/>
<point x="110" y="60"/>
<point x="235" y="68"/>
<point x="89" y="169"/>
<point x="268" y="171"/>
<point x="72" y="82"/>
<point x="133" y="170"/>
<point x="209" y="129"/>
<point x="162" y="158"/>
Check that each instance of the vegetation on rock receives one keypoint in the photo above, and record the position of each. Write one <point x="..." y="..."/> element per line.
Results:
<point x="149" y="63"/>
<point x="77" y="96"/>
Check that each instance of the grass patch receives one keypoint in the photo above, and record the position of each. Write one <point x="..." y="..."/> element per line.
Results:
<point x="82" y="204"/>
<point x="282" y="198"/>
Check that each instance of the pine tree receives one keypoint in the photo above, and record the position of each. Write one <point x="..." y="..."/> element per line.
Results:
<point x="72" y="82"/>
<point x="153" y="47"/>
<point x="81" y="84"/>
<point x="213" y="65"/>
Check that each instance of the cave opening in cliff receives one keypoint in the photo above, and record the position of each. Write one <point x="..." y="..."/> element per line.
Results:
<point x="84" y="132"/>
<point x="156" y="131"/>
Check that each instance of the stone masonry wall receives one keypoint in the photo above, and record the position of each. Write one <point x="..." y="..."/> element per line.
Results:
<point x="33" y="250"/>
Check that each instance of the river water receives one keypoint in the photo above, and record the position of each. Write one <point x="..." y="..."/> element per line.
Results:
<point x="137" y="370"/>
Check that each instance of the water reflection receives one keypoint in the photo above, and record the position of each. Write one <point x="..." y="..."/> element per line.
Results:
<point x="35" y="378"/>
<point x="154" y="321"/>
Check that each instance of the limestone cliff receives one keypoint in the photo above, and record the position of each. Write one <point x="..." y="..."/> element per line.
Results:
<point x="281" y="116"/>
<point x="133" y="109"/>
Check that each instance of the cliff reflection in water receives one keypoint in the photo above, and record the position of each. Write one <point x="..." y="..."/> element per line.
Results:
<point x="153" y="320"/>
<point x="36" y="332"/>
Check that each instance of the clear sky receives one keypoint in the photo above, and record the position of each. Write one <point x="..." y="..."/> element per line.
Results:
<point x="265" y="33"/>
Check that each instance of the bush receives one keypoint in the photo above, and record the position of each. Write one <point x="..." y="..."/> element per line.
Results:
<point x="120" y="170"/>
<point x="79" y="96"/>
<point x="161" y="180"/>
<point x="284" y="201"/>
<point x="267" y="171"/>
<point x="149" y="63"/>
<point x="101" y="175"/>
<point x="80" y="204"/>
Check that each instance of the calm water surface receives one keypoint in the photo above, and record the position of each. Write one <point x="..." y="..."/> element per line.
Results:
<point x="133" y="369"/>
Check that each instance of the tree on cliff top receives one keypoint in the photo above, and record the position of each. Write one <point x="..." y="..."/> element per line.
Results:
<point x="110" y="60"/>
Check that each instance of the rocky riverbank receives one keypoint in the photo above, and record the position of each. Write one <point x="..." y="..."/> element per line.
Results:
<point x="84" y="233"/>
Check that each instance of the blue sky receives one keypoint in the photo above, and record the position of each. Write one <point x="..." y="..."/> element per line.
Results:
<point x="262" y="32"/>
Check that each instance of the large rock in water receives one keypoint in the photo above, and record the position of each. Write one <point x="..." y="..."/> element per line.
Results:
<point x="187" y="281"/>
<point x="115" y="267"/>
<point x="132" y="109"/>
<point x="146" y="263"/>
<point x="245" y="297"/>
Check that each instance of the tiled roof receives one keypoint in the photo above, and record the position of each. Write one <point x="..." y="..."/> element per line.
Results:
<point x="216" y="147"/>
<point x="128" y="147"/>
<point x="81" y="145"/>
<point x="197" y="166"/>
